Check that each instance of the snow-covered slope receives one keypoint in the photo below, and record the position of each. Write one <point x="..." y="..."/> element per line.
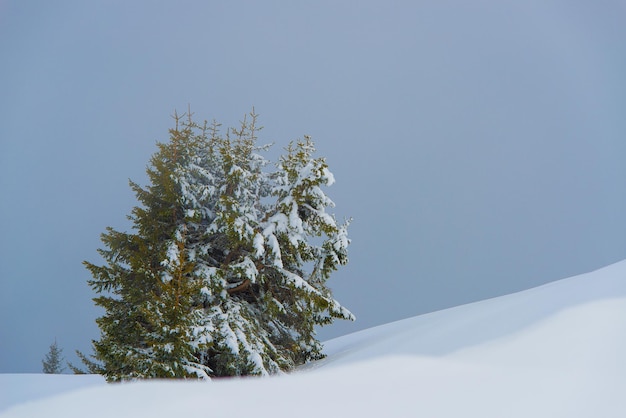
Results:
<point x="569" y="314"/>
<point x="553" y="351"/>
<point x="20" y="388"/>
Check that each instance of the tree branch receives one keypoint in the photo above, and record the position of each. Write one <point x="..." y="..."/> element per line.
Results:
<point x="240" y="287"/>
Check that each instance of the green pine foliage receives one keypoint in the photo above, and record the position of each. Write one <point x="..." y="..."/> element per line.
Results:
<point x="52" y="362"/>
<point x="224" y="273"/>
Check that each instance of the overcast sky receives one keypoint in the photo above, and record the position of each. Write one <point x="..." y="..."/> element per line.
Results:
<point x="479" y="146"/>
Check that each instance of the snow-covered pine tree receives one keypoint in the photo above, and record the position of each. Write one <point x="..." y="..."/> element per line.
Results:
<point x="240" y="343"/>
<point x="303" y="245"/>
<point x="231" y="259"/>
<point x="262" y="303"/>
<point x="53" y="359"/>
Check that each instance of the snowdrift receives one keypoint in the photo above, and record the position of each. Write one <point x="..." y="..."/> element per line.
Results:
<point x="552" y="351"/>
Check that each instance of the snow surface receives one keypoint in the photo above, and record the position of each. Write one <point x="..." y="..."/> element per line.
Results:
<point x="557" y="350"/>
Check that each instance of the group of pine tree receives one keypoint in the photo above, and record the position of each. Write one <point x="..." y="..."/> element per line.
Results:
<point x="225" y="270"/>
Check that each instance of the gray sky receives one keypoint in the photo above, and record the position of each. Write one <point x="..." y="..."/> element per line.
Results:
<point x="479" y="146"/>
